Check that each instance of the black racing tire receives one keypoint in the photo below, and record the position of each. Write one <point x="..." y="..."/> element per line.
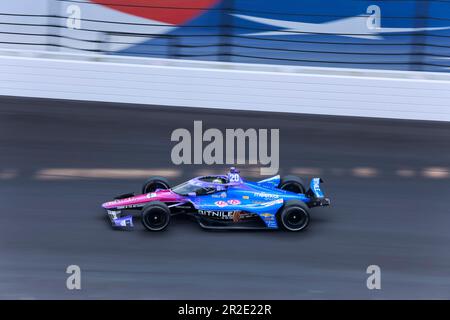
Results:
<point x="292" y="184"/>
<point x="155" y="183"/>
<point x="294" y="216"/>
<point x="155" y="216"/>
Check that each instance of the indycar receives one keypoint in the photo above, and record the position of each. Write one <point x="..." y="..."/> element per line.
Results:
<point x="222" y="202"/>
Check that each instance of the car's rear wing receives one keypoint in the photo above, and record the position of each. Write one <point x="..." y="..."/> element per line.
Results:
<point x="316" y="194"/>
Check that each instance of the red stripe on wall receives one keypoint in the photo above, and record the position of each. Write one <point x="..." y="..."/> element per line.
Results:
<point x="168" y="11"/>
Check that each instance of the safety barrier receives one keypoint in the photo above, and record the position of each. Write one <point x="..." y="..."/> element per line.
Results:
<point x="344" y="92"/>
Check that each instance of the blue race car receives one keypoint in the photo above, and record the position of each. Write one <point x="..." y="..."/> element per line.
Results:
<point x="222" y="202"/>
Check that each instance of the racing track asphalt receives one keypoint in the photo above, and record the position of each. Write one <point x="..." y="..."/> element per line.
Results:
<point x="398" y="220"/>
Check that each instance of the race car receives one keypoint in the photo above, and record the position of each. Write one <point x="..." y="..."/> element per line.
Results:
<point x="222" y="202"/>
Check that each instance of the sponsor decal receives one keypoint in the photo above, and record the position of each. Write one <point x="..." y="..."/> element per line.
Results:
<point x="236" y="215"/>
<point x="124" y="222"/>
<point x="151" y="195"/>
<point x="131" y="206"/>
<point x="226" y="215"/>
<point x="265" y="195"/>
<point x="220" y="195"/>
<point x="268" y="216"/>
<point x="278" y="201"/>
<point x="316" y="187"/>
<point x="221" y="203"/>
<point x="271" y="224"/>
<point x="233" y="202"/>
<point x="113" y="214"/>
<point x="245" y="197"/>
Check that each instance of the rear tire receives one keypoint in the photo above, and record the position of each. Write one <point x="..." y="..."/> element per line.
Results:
<point x="294" y="216"/>
<point x="155" y="216"/>
<point x="292" y="184"/>
<point x="155" y="183"/>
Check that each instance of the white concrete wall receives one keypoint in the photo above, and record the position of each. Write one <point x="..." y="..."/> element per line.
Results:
<point x="365" y="93"/>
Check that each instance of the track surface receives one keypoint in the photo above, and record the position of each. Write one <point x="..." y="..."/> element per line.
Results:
<point x="399" y="223"/>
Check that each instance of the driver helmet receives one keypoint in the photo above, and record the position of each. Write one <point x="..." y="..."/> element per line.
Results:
<point x="234" y="170"/>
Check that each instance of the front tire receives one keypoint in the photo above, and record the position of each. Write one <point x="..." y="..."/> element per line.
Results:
<point x="155" y="183"/>
<point x="294" y="216"/>
<point x="155" y="216"/>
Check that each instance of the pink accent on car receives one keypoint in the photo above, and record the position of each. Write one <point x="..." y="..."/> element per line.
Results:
<point x="160" y="195"/>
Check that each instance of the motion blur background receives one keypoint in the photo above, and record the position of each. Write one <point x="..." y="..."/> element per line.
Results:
<point x="332" y="33"/>
<point x="90" y="92"/>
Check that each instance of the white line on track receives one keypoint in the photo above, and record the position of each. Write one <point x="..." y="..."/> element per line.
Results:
<point x="405" y="173"/>
<point x="251" y="172"/>
<point x="8" y="174"/>
<point x="365" y="172"/>
<point x="307" y="171"/>
<point x="436" y="173"/>
<point x="338" y="172"/>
